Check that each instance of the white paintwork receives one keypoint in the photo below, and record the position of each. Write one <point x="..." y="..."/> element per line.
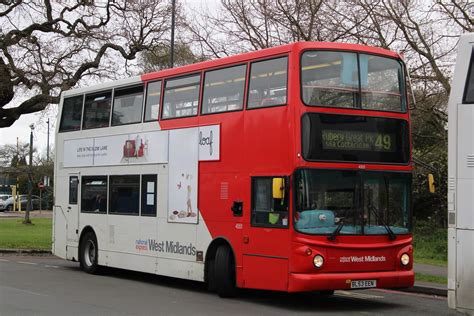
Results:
<point x="148" y="244"/>
<point x="461" y="186"/>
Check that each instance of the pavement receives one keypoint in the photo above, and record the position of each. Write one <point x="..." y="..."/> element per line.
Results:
<point x="419" y="287"/>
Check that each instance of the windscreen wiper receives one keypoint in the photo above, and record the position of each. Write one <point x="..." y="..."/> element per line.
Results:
<point x="391" y="234"/>
<point x="333" y="235"/>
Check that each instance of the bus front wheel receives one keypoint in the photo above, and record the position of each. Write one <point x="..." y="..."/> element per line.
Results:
<point x="224" y="272"/>
<point x="89" y="254"/>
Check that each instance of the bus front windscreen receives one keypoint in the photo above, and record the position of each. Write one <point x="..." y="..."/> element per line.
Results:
<point x="352" y="202"/>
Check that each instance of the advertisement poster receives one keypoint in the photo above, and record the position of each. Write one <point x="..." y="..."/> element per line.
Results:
<point x="136" y="148"/>
<point x="78" y="152"/>
<point x="183" y="180"/>
<point x="209" y="143"/>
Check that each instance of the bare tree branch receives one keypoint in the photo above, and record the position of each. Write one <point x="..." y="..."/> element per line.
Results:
<point x="58" y="44"/>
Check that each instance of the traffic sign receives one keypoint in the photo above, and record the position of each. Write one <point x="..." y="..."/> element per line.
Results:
<point x="41" y="185"/>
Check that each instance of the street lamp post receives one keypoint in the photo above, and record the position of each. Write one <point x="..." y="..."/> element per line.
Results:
<point x="30" y="178"/>
<point x="47" y="177"/>
<point x="173" y="9"/>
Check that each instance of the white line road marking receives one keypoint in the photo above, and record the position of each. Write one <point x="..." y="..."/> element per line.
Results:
<point x="26" y="262"/>
<point x="48" y="266"/>
<point x="23" y="291"/>
<point x="4" y="260"/>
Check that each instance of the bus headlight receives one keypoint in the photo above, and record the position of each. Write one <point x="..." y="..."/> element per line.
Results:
<point x="405" y="259"/>
<point x="318" y="261"/>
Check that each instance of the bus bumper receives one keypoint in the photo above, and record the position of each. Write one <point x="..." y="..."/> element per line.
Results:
<point x="301" y="282"/>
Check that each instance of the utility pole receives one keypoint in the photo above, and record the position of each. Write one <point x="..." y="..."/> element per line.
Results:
<point x="173" y="5"/>
<point x="47" y="176"/>
<point x="30" y="179"/>
<point x="16" y="206"/>
<point x="47" y="144"/>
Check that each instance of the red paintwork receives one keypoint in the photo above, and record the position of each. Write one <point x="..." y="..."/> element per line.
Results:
<point x="266" y="142"/>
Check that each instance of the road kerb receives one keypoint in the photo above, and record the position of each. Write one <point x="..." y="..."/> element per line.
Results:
<point x="435" y="289"/>
<point x="30" y="252"/>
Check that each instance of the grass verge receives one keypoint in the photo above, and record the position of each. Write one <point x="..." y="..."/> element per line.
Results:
<point x="16" y="235"/>
<point x="431" y="278"/>
<point x="430" y="244"/>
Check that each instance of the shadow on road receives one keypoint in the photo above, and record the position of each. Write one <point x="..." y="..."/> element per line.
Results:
<point x="340" y="302"/>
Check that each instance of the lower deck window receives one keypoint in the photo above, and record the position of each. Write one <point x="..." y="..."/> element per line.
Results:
<point x="268" y="210"/>
<point x="73" y="189"/>
<point x="124" y="194"/>
<point x="94" y="194"/>
<point x="149" y="195"/>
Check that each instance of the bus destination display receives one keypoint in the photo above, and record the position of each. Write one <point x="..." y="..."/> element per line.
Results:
<point x="356" y="140"/>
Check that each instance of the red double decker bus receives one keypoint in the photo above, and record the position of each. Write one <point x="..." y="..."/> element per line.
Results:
<point x="285" y="169"/>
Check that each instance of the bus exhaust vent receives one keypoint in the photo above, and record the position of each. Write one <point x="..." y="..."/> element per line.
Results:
<point x="470" y="161"/>
<point x="451" y="184"/>
<point x="224" y="190"/>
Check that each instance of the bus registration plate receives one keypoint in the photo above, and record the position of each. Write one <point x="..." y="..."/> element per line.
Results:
<point x="363" y="284"/>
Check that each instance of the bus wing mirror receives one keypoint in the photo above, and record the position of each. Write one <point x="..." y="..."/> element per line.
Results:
<point x="278" y="185"/>
<point x="431" y="183"/>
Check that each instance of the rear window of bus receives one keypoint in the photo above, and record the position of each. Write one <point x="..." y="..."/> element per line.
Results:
<point x="71" y="115"/>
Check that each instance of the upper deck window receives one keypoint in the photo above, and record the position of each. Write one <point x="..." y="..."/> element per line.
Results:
<point x="153" y="96"/>
<point x="181" y="97"/>
<point x="97" y="110"/>
<point x="224" y="89"/>
<point x="72" y="113"/>
<point x="268" y="83"/>
<point x="351" y="80"/>
<point x="127" y="106"/>
<point x="381" y="83"/>
<point x="469" y="89"/>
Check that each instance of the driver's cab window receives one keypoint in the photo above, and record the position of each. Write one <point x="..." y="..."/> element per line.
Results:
<point x="270" y="201"/>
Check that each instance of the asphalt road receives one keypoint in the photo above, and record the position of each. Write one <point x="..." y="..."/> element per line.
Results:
<point x="51" y="286"/>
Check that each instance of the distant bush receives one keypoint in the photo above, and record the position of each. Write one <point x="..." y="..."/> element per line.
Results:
<point x="430" y="243"/>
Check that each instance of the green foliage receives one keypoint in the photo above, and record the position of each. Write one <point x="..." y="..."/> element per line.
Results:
<point x="430" y="147"/>
<point x="16" y="235"/>
<point x="430" y="243"/>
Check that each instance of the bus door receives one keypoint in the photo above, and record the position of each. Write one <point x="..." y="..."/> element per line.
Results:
<point x="266" y="238"/>
<point x="72" y="211"/>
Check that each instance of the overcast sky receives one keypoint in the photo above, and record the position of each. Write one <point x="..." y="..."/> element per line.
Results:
<point x="21" y="127"/>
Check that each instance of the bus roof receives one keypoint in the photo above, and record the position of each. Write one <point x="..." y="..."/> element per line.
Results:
<point x="265" y="53"/>
<point x="235" y="59"/>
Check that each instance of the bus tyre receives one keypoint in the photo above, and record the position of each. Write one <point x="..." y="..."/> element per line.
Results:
<point x="224" y="272"/>
<point x="89" y="254"/>
<point x="211" y="283"/>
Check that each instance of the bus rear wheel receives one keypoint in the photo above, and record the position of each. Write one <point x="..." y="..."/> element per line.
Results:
<point x="224" y="272"/>
<point x="89" y="254"/>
